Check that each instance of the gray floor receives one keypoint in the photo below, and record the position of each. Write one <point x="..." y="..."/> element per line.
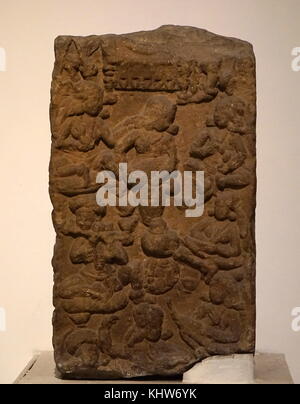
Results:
<point x="269" y="369"/>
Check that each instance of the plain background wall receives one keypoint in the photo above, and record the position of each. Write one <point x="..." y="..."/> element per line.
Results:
<point x="27" y="32"/>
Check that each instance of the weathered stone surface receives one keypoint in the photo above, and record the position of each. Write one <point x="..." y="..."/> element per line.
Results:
<point x="148" y="291"/>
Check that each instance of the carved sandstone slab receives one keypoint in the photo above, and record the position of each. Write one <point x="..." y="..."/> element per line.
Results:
<point x="148" y="291"/>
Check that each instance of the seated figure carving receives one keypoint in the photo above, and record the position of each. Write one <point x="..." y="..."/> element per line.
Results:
<point x="150" y="134"/>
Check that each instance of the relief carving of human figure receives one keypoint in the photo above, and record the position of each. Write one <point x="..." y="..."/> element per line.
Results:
<point x="151" y="134"/>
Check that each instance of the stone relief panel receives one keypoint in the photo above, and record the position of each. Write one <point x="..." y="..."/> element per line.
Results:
<point x="146" y="291"/>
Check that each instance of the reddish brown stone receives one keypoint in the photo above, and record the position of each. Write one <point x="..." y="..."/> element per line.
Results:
<point x="147" y="291"/>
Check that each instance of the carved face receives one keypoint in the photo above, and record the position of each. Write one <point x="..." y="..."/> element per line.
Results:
<point x="111" y="253"/>
<point x="159" y="113"/>
<point x="82" y="251"/>
<point x="160" y="242"/>
<point x="189" y="281"/>
<point x="92" y="97"/>
<point x="224" y="290"/>
<point x="158" y="226"/>
<point x="231" y="113"/>
<point x="149" y="213"/>
<point x="148" y="316"/>
<point x="160" y="276"/>
<point x="224" y="208"/>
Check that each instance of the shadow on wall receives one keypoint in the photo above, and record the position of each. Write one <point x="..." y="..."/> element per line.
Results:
<point x="2" y="60"/>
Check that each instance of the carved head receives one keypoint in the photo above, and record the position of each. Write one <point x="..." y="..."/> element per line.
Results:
<point x="225" y="207"/>
<point x="160" y="275"/>
<point x="88" y="98"/>
<point x="224" y="290"/>
<point x="230" y="113"/>
<point x="148" y="316"/>
<point x="82" y="251"/>
<point x="158" y="226"/>
<point x="149" y="213"/>
<point x="159" y="113"/>
<point x="86" y="211"/>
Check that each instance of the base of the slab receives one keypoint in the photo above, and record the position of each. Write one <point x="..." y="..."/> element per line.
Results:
<point x="235" y="369"/>
<point x="269" y="369"/>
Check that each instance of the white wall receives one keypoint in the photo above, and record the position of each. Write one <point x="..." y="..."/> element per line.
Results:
<point x="27" y="32"/>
